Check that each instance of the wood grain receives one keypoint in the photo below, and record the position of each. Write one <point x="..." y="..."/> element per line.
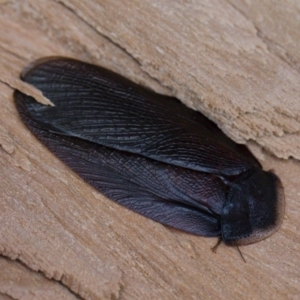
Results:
<point x="236" y="61"/>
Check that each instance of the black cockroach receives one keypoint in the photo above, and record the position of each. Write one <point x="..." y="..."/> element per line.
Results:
<point x="151" y="153"/>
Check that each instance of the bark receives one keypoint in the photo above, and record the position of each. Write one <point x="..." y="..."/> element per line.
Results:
<point x="237" y="62"/>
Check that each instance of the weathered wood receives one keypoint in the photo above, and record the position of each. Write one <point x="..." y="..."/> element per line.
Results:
<point x="236" y="62"/>
<point x="18" y="282"/>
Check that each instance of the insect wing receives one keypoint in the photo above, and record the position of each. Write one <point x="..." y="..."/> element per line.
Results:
<point x="184" y="199"/>
<point x="97" y="105"/>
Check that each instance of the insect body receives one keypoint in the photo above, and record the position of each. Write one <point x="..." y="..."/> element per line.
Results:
<point x="150" y="153"/>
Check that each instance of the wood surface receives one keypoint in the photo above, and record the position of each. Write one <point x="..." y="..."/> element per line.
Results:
<point x="238" y="62"/>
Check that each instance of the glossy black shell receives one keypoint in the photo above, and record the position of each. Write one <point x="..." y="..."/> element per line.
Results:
<point x="150" y="153"/>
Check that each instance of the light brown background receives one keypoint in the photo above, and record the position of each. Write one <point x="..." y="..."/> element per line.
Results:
<point x="236" y="61"/>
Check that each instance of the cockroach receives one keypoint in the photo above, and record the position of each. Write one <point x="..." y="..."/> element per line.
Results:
<point x="150" y="153"/>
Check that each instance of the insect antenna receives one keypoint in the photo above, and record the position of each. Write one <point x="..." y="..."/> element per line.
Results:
<point x="241" y="254"/>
